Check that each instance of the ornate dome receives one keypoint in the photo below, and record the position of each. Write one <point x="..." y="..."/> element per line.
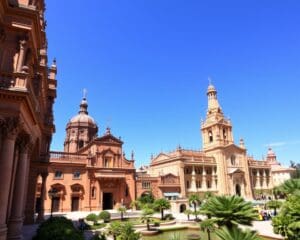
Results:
<point x="82" y="118"/>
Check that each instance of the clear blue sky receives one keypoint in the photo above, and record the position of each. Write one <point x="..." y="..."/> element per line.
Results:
<point x="146" y="63"/>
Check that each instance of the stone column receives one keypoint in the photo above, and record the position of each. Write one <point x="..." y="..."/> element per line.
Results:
<point x="264" y="179"/>
<point x="193" y="181"/>
<point x="257" y="183"/>
<point x="41" y="213"/>
<point x="10" y="127"/>
<point x="182" y="182"/>
<point x="16" y="216"/>
<point x="214" y="179"/>
<point x="21" y="55"/>
<point x="204" y="187"/>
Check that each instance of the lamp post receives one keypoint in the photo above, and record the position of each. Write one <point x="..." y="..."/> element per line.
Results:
<point x="52" y="193"/>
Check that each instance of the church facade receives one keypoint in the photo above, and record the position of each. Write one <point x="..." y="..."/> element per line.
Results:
<point x="92" y="173"/>
<point x="221" y="167"/>
<point x="27" y="94"/>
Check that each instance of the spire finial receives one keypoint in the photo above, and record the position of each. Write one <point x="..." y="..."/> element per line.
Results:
<point x="84" y="91"/>
<point x="209" y="80"/>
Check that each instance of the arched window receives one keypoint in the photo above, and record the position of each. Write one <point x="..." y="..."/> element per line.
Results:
<point x="210" y="135"/>
<point x="80" y="144"/>
<point x="224" y="133"/>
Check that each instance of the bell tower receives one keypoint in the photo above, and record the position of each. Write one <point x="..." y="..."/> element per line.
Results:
<point x="216" y="129"/>
<point x="80" y="130"/>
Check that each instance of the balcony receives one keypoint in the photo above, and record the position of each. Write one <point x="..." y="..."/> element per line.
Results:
<point x="62" y="157"/>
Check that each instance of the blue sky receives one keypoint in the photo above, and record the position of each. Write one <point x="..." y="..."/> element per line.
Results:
<point x="145" y="65"/>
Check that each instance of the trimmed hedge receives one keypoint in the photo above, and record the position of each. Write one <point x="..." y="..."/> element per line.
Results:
<point x="58" y="228"/>
<point x="105" y="216"/>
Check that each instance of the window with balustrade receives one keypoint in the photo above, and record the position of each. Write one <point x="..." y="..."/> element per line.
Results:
<point x="146" y="185"/>
<point x="58" y="174"/>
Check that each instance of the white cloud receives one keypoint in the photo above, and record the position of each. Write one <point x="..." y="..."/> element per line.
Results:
<point x="280" y="144"/>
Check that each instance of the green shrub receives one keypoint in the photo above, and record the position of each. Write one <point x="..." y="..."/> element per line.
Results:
<point x="169" y="216"/>
<point x="58" y="228"/>
<point x="92" y="217"/>
<point x="156" y="223"/>
<point x="105" y="216"/>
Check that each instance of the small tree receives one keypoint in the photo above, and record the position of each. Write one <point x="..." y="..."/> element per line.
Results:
<point x="274" y="204"/>
<point x="122" y="210"/>
<point x="92" y="217"/>
<point x="194" y="199"/>
<point x="162" y="204"/>
<point x="114" y="229"/>
<point x="146" y="216"/>
<point x="188" y="212"/>
<point x="209" y="226"/>
<point x="105" y="215"/>
<point x="128" y="233"/>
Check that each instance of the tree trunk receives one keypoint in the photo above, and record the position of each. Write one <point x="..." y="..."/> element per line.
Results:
<point x="195" y="210"/>
<point x="162" y="213"/>
<point x="208" y="235"/>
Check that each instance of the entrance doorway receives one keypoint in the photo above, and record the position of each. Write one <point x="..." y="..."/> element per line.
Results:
<point x="107" y="201"/>
<point x="238" y="189"/>
<point x="182" y="208"/>
<point x="56" y="201"/>
<point x="75" y="204"/>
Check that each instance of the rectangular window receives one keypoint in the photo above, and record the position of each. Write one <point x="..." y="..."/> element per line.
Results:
<point x="146" y="185"/>
<point x="58" y="174"/>
<point x="76" y="175"/>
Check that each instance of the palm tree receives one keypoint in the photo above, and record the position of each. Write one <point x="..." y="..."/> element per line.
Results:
<point x="122" y="210"/>
<point x="236" y="234"/>
<point x="194" y="199"/>
<point x="128" y="232"/>
<point x="229" y="211"/>
<point x="209" y="226"/>
<point x="274" y="204"/>
<point x="162" y="204"/>
<point x="146" y="216"/>
<point x="291" y="186"/>
<point x="114" y="229"/>
<point x="188" y="212"/>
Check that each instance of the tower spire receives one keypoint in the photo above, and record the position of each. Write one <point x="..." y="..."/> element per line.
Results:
<point x="213" y="103"/>
<point x="83" y="103"/>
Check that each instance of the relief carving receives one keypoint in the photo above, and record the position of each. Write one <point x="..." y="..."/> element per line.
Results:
<point x="10" y="126"/>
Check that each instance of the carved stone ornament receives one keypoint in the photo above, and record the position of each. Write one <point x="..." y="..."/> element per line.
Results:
<point x="24" y="142"/>
<point x="10" y="126"/>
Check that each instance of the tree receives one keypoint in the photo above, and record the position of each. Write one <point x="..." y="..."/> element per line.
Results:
<point x="162" y="204"/>
<point x="209" y="226"/>
<point x="128" y="233"/>
<point x="114" y="229"/>
<point x="236" y="234"/>
<point x="296" y="166"/>
<point x="194" y="199"/>
<point x="122" y="210"/>
<point x="287" y="222"/>
<point x="291" y="186"/>
<point x="188" y="212"/>
<point x="134" y="204"/>
<point x="146" y="216"/>
<point x="274" y="204"/>
<point x="229" y="211"/>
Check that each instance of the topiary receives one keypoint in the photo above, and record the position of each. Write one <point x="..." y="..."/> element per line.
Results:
<point x="105" y="216"/>
<point x="92" y="217"/>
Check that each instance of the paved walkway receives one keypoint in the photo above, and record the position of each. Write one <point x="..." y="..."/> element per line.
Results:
<point x="262" y="227"/>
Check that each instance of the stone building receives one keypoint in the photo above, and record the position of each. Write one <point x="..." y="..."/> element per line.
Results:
<point x="92" y="173"/>
<point x="27" y="93"/>
<point x="221" y="167"/>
